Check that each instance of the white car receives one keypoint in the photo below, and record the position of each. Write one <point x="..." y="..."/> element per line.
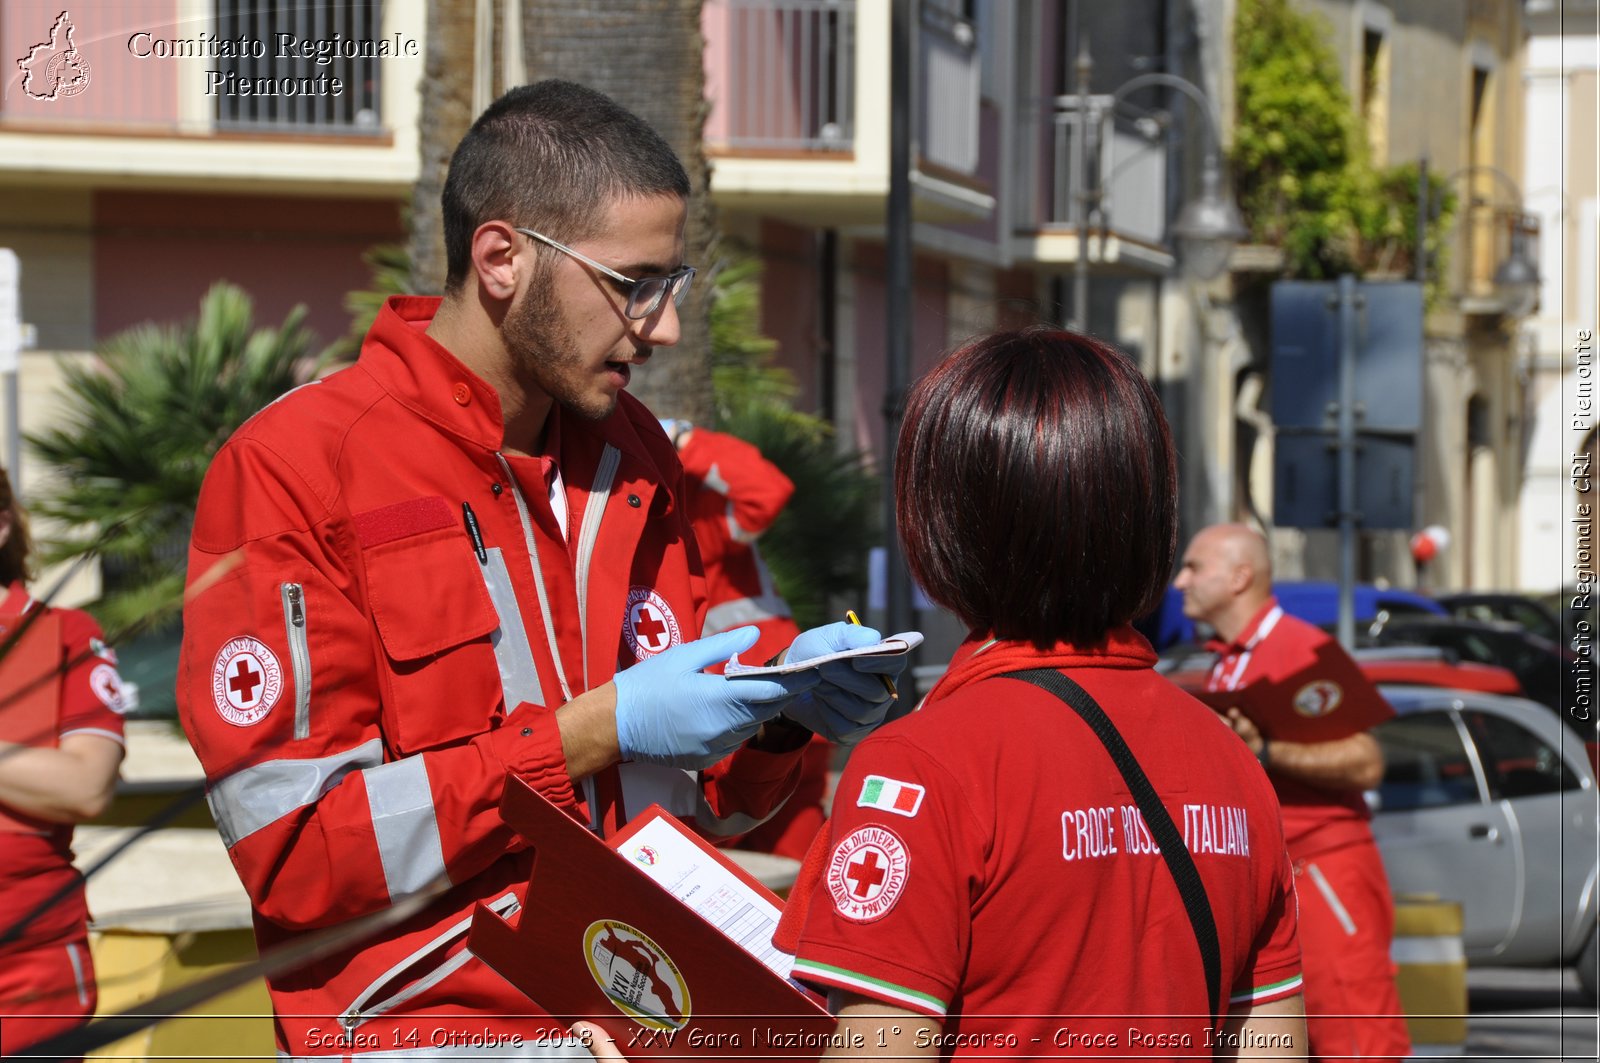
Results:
<point x="1491" y="801"/>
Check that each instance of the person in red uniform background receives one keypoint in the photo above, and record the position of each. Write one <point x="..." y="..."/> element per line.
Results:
<point x="466" y="557"/>
<point x="1302" y="706"/>
<point x="734" y="495"/>
<point x="54" y="772"/>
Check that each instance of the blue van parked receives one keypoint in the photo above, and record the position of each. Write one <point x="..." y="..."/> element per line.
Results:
<point x="1314" y="601"/>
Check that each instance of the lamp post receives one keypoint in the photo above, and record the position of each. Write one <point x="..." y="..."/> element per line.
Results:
<point x="1516" y="279"/>
<point x="1207" y="228"/>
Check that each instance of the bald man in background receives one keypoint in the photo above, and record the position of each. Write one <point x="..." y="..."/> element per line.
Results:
<point x="1295" y="697"/>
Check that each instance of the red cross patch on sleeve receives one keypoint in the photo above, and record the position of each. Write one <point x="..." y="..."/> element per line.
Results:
<point x="246" y="681"/>
<point x="867" y="873"/>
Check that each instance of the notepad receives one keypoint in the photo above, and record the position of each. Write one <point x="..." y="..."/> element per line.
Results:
<point x="893" y="646"/>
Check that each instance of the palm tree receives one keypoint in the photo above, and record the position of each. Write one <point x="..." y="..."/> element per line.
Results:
<point x="445" y="118"/>
<point x="139" y="431"/>
<point x="648" y="56"/>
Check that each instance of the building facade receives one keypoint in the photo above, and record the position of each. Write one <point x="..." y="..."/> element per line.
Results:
<point x="1563" y="114"/>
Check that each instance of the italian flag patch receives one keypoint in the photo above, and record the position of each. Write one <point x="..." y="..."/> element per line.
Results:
<point x="891" y="795"/>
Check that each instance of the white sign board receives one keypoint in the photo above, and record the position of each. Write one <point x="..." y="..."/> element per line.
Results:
<point x="10" y="310"/>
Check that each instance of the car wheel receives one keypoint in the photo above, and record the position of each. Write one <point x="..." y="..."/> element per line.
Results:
<point x="1589" y="968"/>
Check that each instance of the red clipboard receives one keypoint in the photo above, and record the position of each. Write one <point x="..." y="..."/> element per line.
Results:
<point x="1318" y="695"/>
<point x="598" y="939"/>
<point x="30" y="696"/>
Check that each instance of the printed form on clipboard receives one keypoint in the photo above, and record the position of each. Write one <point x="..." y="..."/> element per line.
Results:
<point x="707" y="881"/>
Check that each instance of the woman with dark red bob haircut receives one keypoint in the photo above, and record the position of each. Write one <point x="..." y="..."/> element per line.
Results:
<point x="990" y="885"/>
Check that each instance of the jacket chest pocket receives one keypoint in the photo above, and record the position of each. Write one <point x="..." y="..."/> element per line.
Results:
<point x="438" y="629"/>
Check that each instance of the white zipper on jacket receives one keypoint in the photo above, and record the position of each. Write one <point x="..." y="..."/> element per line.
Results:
<point x="361" y="1011"/>
<point x="294" y="623"/>
<point x="538" y="579"/>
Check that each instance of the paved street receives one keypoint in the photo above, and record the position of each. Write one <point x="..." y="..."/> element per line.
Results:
<point x="1528" y="1015"/>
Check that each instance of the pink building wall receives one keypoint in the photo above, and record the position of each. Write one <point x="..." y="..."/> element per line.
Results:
<point x="121" y="89"/>
<point x="791" y="305"/>
<point x="156" y="254"/>
<point x="930" y="298"/>
<point x="714" y="30"/>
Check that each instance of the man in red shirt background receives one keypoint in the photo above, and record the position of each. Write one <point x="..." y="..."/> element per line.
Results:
<point x="1295" y="697"/>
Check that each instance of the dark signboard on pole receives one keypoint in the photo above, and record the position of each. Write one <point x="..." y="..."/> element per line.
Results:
<point x="1308" y="345"/>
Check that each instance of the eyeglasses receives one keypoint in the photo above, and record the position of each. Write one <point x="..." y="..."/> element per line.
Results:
<point x="644" y="294"/>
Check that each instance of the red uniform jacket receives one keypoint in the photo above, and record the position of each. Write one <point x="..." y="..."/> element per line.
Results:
<point x="364" y="661"/>
<point x="734" y="496"/>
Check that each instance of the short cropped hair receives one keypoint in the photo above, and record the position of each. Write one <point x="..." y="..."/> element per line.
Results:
<point x="1036" y="487"/>
<point x="16" y="555"/>
<point x="550" y="156"/>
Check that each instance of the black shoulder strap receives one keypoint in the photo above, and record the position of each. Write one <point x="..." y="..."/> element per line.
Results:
<point x="1165" y="832"/>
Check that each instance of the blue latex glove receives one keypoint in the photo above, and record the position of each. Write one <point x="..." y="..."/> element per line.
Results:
<point x="670" y="712"/>
<point x="850" y="701"/>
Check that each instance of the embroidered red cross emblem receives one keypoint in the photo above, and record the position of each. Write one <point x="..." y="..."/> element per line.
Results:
<point x="865" y="874"/>
<point x="649" y="627"/>
<point x="245" y="680"/>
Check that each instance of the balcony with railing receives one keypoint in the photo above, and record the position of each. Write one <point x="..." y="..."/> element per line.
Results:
<point x="1127" y="165"/>
<point x="799" y="118"/>
<point x="781" y="75"/>
<point x="948" y="92"/>
<point x="295" y="67"/>
<point x="145" y="86"/>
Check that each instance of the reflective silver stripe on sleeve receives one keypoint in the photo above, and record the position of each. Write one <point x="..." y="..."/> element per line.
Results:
<point x="253" y="797"/>
<point x="744" y="611"/>
<point x="513" y="656"/>
<point x="715" y="480"/>
<point x="738" y="531"/>
<point x="404" y="825"/>
<point x="593" y="510"/>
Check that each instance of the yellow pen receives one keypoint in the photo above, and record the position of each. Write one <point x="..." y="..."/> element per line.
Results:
<point x="888" y="684"/>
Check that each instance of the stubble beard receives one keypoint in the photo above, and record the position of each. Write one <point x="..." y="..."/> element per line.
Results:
<point x="545" y="357"/>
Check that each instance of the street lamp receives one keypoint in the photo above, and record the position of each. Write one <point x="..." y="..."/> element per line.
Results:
<point x="1207" y="228"/>
<point x="1516" y="280"/>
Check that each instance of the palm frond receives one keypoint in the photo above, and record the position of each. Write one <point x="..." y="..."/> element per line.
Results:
<point x="141" y="425"/>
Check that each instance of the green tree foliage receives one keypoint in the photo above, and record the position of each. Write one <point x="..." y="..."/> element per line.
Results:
<point x="818" y="545"/>
<point x="391" y="275"/>
<point x="139" y="430"/>
<point x="1304" y="174"/>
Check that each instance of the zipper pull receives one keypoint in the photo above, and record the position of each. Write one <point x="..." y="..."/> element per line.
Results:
<point x="349" y="1020"/>
<point x="297" y="610"/>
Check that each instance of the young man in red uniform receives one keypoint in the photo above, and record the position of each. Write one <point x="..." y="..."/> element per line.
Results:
<point x="1304" y="709"/>
<point x="468" y="556"/>
<point x="58" y="768"/>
